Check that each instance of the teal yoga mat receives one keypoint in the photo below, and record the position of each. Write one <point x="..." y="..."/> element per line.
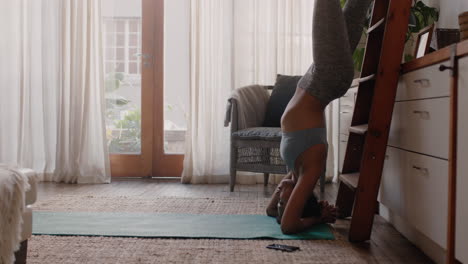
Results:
<point x="168" y="226"/>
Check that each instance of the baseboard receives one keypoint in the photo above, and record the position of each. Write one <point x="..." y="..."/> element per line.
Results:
<point x="429" y="247"/>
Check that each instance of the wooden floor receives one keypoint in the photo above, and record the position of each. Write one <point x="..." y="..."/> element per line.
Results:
<point x="386" y="245"/>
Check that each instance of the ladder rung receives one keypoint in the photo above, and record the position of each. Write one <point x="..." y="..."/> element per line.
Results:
<point x="361" y="129"/>
<point x="367" y="78"/>
<point x="351" y="180"/>
<point x="376" y="25"/>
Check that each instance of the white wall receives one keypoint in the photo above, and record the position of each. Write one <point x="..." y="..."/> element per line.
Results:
<point x="449" y="11"/>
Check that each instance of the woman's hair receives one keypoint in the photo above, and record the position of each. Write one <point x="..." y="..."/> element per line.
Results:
<point x="312" y="208"/>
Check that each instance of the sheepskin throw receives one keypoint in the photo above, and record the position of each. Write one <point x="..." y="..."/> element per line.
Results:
<point x="13" y="186"/>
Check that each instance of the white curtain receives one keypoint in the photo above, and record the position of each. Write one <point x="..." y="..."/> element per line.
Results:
<point x="207" y="147"/>
<point x="235" y="43"/>
<point x="51" y="89"/>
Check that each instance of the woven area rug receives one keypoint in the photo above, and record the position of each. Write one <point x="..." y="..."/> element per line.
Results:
<point x="62" y="249"/>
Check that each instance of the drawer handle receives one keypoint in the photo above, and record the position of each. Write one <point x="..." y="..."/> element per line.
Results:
<point x="422" y="170"/>
<point x="344" y="112"/>
<point x="422" y="114"/>
<point x="444" y="68"/>
<point x="423" y="82"/>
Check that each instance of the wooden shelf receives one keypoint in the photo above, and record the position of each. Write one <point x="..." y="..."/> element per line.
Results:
<point x="351" y="180"/>
<point x="435" y="57"/>
<point x="361" y="129"/>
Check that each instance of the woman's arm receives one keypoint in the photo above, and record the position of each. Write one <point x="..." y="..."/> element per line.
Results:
<point x="313" y="164"/>
<point x="272" y="209"/>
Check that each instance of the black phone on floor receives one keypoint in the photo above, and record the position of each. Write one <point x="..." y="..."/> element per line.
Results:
<point x="283" y="247"/>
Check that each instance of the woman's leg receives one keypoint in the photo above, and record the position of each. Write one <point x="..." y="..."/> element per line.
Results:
<point x="330" y="36"/>
<point x="335" y="27"/>
<point x="333" y="70"/>
<point x="354" y="14"/>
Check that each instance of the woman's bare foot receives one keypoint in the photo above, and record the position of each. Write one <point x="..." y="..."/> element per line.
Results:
<point x="329" y="212"/>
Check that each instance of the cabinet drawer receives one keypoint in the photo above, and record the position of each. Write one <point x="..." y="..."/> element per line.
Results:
<point x="429" y="82"/>
<point x="421" y="126"/>
<point x="392" y="186"/>
<point x="342" y="151"/>
<point x="415" y="186"/>
<point x="426" y="181"/>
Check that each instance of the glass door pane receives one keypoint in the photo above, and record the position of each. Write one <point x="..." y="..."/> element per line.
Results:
<point x="176" y="74"/>
<point x="128" y="42"/>
<point x="122" y="28"/>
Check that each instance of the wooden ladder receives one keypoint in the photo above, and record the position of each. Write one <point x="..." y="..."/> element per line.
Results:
<point x="368" y="134"/>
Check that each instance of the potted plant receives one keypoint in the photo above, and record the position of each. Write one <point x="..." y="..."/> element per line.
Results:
<point x="421" y="16"/>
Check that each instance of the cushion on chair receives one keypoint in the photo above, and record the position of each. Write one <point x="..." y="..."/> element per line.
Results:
<point x="283" y="91"/>
<point x="259" y="133"/>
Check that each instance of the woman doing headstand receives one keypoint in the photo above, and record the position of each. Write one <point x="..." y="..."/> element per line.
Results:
<point x="336" y="33"/>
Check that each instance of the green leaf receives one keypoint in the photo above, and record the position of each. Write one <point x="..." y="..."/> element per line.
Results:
<point x="409" y="57"/>
<point x="112" y="85"/>
<point x="119" y="76"/>
<point x="412" y="20"/>
<point x="421" y="16"/>
<point x="122" y="101"/>
<point x="114" y="100"/>
<point x="342" y="2"/>
<point x="358" y="58"/>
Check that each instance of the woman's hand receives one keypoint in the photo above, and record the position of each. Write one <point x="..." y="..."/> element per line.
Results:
<point x="329" y="212"/>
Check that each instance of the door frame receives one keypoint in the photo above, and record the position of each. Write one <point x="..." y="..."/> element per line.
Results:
<point x="152" y="161"/>
<point x="165" y="165"/>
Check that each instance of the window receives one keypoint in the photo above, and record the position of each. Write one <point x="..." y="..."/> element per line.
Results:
<point x="122" y="45"/>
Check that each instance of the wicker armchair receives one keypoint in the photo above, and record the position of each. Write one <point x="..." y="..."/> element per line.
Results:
<point x="255" y="148"/>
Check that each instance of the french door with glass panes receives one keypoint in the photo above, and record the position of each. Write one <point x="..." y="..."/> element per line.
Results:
<point x="134" y="47"/>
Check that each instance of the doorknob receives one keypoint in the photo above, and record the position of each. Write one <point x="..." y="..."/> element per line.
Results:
<point x="147" y="59"/>
<point x="144" y="55"/>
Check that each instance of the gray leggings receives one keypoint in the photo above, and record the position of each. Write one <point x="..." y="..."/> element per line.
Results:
<point x="336" y="33"/>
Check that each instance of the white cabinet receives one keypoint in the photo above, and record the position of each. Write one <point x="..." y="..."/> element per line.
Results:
<point x="346" y="114"/>
<point x="342" y="151"/>
<point x="415" y="176"/>
<point x="414" y="186"/>
<point x="462" y="169"/>
<point x="346" y="110"/>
